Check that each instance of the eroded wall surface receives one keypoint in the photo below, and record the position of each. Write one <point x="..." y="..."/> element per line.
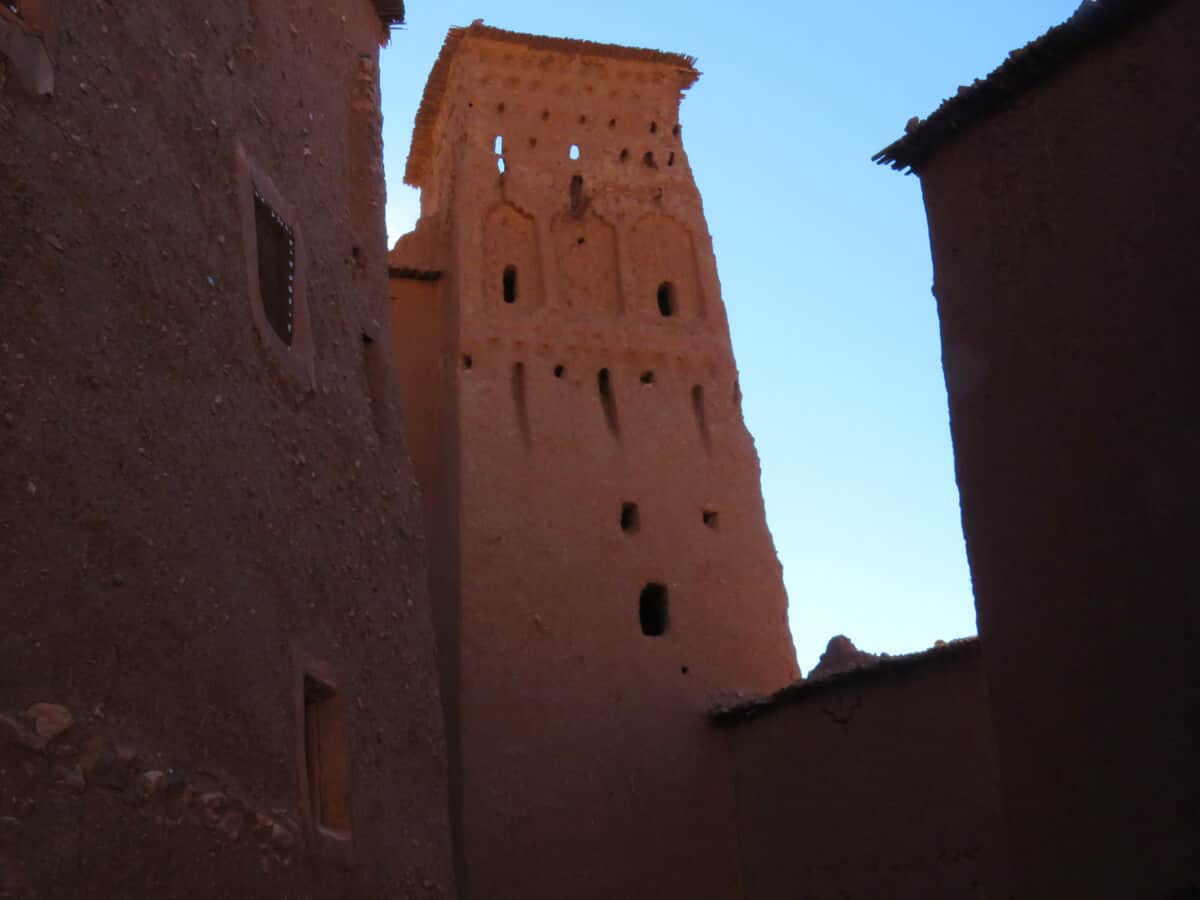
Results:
<point x="192" y="515"/>
<point x="1064" y="232"/>
<point x="876" y="783"/>
<point x="600" y="452"/>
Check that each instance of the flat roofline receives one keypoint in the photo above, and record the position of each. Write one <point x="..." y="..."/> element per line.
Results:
<point x="1094" y="23"/>
<point x="881" y="669"/>
<point x="421" y="153"/>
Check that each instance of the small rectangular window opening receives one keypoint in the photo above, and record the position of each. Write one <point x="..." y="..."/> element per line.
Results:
<point x="666" y="299"/>
<point x="325" y="758"/>
<point x="631" y="520"/>
<point x="276" y="268"/>
<point x="652" y="610"/>
<point x="509" y="283"/>
<point x="576" y="194"/>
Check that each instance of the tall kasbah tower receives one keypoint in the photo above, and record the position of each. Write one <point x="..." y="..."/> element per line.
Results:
<point x="601" y="566"/>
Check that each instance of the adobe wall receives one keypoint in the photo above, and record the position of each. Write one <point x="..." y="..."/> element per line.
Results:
<point x="587" y="767"/>
<point x="876" y="783"/>
<point x="189" y="521"/>
<point x="1064" y="232"/>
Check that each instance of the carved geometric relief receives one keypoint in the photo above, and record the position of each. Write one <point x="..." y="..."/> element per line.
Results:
<point x="664" y="267"/>
<point x="512" y="269"/>
<point x="586" y="251"/>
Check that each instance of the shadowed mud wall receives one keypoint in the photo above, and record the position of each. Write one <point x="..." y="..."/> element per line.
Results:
<point x="1064" y="234"/>
<point x="606" y="487"/>
<point x="876" y="783"/>
<point x="193" y="516"/>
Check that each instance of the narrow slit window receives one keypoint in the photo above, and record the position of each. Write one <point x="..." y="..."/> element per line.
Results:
<point x="576" y="193"/>
<point x="631" y="520"/>
<point x="325" y="758"/>
<point x="509" y="284"/>
<point x="608" y="401"/>
<point x="573" y="153"/>
<point x="519" y="404"/>
<point x="666" y="299"/>
<point x="648" y="160"/>
<point x="701" y="417"/>
<point x="499" y="145"/>
<point x="276" y="248"/>
<point x="652" y="610"/>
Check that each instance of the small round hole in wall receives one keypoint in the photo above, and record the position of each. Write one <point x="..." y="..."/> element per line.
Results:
<point x="467" y="362"/>
<point x="558" y="371"/>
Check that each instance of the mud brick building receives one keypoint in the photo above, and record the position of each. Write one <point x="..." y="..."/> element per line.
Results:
<point x="329" y="572"/>
<point x="1063" y="197"/>
<point x="217" y="669"/>
<point x="602" y="564"/>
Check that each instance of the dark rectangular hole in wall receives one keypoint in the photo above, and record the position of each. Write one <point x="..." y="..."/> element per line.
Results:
<point x="701" y="418"/>
<point x="576" y="194"/>
<point x="631" y="520"/>
<point x="712" y="519"/>
<point x="652" y="610"/>
<point x="608" y="401"/>
<point x="326" y="763"/>
<point x="276" y="268"/>
<point x="666" y="299"/>
<point x="509" y="281"/>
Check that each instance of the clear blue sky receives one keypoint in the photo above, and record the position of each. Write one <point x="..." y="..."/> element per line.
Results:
<point x="824" y="263"/>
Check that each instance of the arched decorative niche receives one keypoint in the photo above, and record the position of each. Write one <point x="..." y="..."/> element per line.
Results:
<point x="666" y="274"/>
<point x="589" y="276"/>
<point x="511" y="274"/>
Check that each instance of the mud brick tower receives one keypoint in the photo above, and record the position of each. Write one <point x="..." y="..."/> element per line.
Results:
<point x="601" y="566"/>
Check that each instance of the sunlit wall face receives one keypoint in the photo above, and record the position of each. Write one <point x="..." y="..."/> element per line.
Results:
<point x="824" y="261"/>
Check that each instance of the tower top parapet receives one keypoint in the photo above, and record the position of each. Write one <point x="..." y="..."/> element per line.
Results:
<point x="535" y="50"/>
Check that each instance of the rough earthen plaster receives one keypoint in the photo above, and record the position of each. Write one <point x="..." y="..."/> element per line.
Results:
<point x="877" y="782"/>
<point x="182" y="521"/>
<point x="1064" y="230"/>
<point x="584" y="764"/>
